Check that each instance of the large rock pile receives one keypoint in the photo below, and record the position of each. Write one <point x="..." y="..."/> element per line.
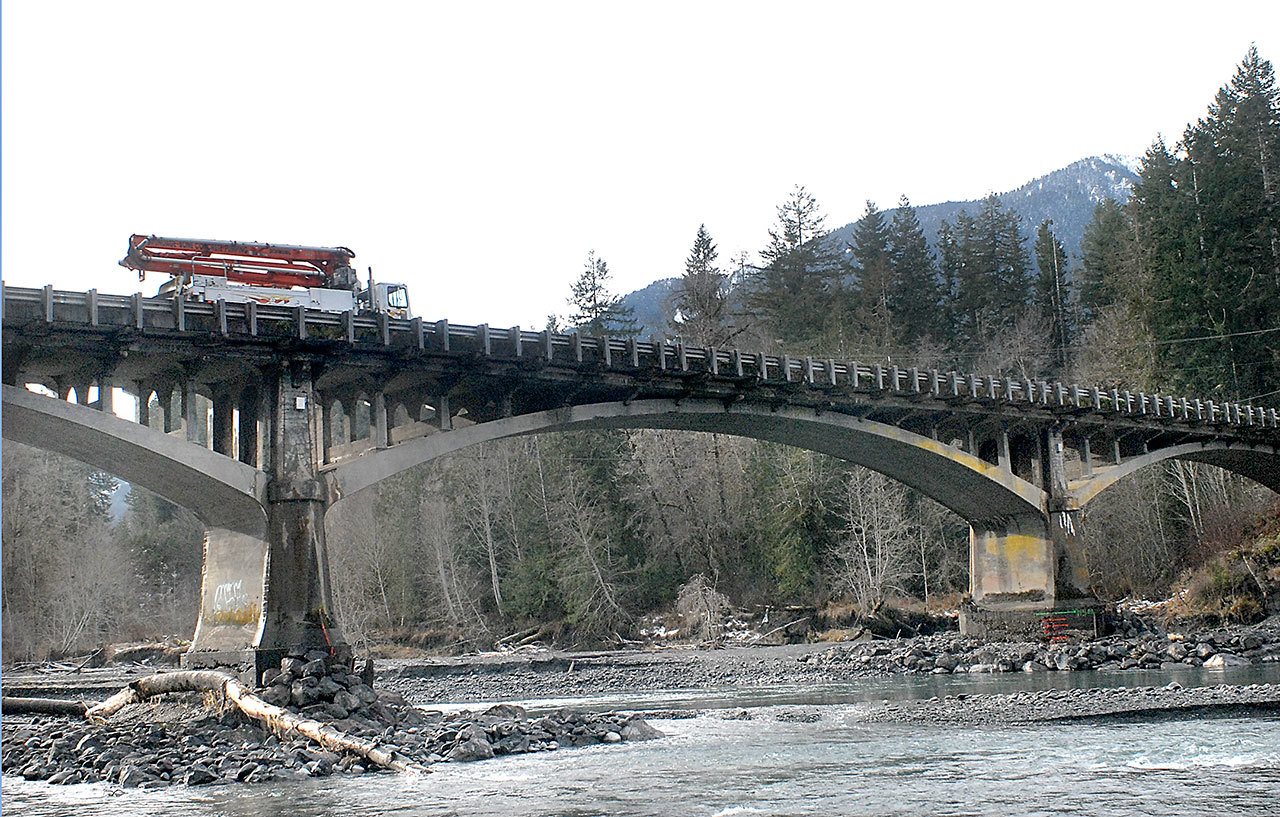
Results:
<point x="312" y="687"/>
<point x="198" y="747"/>
<point x="948" y="654"/>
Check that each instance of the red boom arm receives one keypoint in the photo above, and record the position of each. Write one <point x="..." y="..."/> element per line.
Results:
<point x="268" y="265"/>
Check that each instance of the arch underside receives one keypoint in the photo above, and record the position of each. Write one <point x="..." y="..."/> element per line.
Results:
<point x="967" y="485"/>
<point x="1258" y="463"/>
<point x="220" y="491"/>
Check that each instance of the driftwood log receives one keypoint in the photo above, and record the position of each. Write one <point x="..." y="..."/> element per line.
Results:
<point x="42" y="706"/>
<point x="280" y="721"/>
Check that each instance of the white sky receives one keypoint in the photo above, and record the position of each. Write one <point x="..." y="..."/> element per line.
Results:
<point x="477" y="151"/>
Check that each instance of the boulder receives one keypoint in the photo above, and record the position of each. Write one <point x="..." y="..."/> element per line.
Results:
<point x="636" y="728"/>
<point x="200" y="775"/>
<point x="471" y="748"/>
<point x="1224" y="660"/>
<point x="507" y="712"/>
<point x="131" y="777"/>
<point x="317" y="668"/>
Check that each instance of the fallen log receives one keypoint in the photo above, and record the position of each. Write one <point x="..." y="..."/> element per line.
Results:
<point x="41" y="706"/>
<point x="280" y="721"/>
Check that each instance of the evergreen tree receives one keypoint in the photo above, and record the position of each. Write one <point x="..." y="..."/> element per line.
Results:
<point x="1106" y="274"/>
<point x="1052" y="292"/>
<point x="873" y="272"/>
<point x="949" y="265"/>
<point x="792" y="292"/>
<point x="700" y="300"/>
<point x="1207" y="227"/>
<point x="915" y="296"/>
<point x="993" y="272"/>
<point x="597" y="311"/>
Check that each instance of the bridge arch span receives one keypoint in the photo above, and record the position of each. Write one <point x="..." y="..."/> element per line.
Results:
<point x="968" y="485"/>
<point x="222" y="492"/>
<point x="1260" y="463"/>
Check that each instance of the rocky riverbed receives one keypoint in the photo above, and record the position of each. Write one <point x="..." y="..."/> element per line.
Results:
<point x="549" y="674"/>
<point x="949" y="654"/>
<point x="1172" y="700"/>
<point x="185" y="740"/>
<point x="190" y="740"/>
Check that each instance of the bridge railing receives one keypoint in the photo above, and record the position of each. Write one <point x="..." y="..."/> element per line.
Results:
<point x="91" y="309"/>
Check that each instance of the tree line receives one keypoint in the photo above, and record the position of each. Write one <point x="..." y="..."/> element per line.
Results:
<point x="578" y="536"/>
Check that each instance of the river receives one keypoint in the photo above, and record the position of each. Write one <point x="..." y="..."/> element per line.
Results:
<point x="779" y="762"/>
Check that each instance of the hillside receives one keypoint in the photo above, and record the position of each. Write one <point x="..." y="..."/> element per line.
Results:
<point x="1068" y="196"/>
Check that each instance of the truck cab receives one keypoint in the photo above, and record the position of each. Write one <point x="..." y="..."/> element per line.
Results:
<point x="393" y="299"/>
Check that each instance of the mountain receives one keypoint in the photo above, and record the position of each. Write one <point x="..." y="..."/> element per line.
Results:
<point x="650" y="306"/>
<point x="1067" y="196"/>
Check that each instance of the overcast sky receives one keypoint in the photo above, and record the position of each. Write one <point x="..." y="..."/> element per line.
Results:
<point x="477" y="151"/>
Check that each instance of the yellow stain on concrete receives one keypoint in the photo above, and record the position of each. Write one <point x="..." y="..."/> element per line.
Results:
<point x="237" y="617"/>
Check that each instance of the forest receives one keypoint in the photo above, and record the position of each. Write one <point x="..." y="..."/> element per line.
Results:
<point x="578" y="537"/>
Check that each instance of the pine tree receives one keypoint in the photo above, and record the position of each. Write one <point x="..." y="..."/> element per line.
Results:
<point x="1207" y="226"/>
<point x="993" y="272"/>
<point x="597" y="311"/>
<point x="1107" y="274"/>
<point x="1053" y="292"/>
<point x="701" y="298"/>
<point x="950" y="266"/>
<point x="792" y="292"/>
<point x="915" y="296"/>
<point x="873" y="273"/>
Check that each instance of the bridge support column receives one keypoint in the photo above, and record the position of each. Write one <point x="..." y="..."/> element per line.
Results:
<point x="1023" y="567"/>
<point x="266" y="595"/>
<point x="299" y="606"/>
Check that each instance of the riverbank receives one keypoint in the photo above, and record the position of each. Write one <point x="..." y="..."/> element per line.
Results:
<point x="416" y="711"/>
<point x="199" y="739"/>
<point x="541" y="674"/>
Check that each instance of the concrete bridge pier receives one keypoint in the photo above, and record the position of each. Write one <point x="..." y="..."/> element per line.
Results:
<point x="266" y="597"/>
<point x="1026" y="566"/>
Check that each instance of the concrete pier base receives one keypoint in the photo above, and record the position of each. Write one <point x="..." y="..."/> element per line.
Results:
<point x="1028" y="580"/>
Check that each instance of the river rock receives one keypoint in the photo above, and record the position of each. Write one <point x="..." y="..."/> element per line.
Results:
<point x="131" y="777"/>
<point x="472" y="748"/>
<point x="199" y="775"/>
<point x="1225" y="659"/>
<point x="636" y="728"/>
<point x="317" y="668"/>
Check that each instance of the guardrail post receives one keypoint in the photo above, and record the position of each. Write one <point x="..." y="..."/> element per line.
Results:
<point x="93" y="307"/>
<point x="442" y="334"/>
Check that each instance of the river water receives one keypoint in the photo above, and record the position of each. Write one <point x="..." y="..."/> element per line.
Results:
<point x="776" y="763"/>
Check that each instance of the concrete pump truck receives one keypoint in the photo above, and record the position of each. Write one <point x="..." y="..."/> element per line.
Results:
<point x="319" y="278"/>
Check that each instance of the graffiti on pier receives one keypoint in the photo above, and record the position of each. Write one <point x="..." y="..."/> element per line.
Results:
<point x="232" y="605"/>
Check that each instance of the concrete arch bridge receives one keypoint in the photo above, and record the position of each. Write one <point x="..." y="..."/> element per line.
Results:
<point x="310" y="408"/>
